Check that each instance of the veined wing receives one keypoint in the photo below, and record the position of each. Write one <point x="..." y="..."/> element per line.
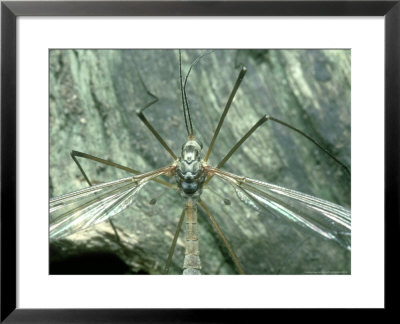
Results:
<point x="81" y="209"/>
<point x="329" y="220"/>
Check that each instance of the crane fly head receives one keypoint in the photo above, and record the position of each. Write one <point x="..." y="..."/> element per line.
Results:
<point x="191" y="151"/>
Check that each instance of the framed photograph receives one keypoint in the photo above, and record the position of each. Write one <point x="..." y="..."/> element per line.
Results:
<point x="158" y="102"/>
<point x="151" y="142"/>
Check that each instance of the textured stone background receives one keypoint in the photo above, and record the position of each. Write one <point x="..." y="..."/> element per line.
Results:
<point x="93" y="98"/>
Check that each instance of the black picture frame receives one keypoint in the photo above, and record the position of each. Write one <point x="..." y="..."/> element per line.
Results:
<point x="9" y="13"/>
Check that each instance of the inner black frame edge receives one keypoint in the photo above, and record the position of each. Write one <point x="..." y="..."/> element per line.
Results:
<point x="11" y="10"/>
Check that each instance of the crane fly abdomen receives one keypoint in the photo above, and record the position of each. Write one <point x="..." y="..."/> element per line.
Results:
<point x="191" y="263"/>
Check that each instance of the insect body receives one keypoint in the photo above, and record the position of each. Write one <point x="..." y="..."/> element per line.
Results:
<point x="189" y="172"/>
<point x="192" y="173"/>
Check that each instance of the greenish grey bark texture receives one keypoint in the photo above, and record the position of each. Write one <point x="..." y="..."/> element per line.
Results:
<point x="94" y="96"/>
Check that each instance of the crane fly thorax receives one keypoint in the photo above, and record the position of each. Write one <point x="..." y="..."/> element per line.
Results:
<point x="190" y="175"/>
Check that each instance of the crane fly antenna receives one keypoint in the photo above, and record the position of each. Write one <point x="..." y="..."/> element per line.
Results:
<point x="185" y="103"/>
<point x="184" y="86"/>
<point x="182" y="94"/>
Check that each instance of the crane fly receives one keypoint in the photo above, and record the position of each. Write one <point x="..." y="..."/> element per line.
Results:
<point x="190" y="174"/>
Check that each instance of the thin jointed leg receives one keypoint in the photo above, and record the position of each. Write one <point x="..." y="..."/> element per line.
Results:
<point x="227" y="106"/>
<point x="223" y="238"/>
<point x="172" y="249"/>
<point x="150" y="127"/>
<point x="262" y="121"/>
<point x="75" y="154"/>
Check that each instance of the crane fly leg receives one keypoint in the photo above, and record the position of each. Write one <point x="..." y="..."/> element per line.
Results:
<point x="141" y="116"/>
<point x="227" y="106"/>
<point x="172" y="248"/>
<point x="262" y="121"/>
<point x="223" y="238"/>
<point x="75" y="154"/>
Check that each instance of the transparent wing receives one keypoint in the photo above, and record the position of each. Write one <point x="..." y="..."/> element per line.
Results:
<point x="327" y="219"/>
<point x="81" y="209"/>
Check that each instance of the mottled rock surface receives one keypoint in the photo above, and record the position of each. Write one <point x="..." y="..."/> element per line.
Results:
<point x="94" y="95"/>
